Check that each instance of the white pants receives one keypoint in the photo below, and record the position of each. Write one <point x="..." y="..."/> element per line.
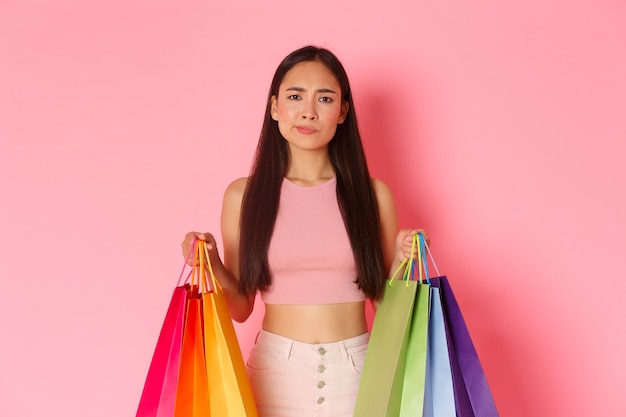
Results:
<point x="295" y="379"/>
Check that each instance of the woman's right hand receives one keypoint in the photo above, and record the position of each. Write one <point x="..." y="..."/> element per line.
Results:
<point x="188" y="242"/>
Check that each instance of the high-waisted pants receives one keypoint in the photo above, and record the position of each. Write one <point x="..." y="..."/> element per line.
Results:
<point x="295" y="379"/>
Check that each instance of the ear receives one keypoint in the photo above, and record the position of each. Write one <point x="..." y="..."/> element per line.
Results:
<point x="345" y="106"/>
<point x="273" y="109"/>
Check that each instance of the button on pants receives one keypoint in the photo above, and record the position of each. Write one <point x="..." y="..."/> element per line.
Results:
<point x="295" y="379"/>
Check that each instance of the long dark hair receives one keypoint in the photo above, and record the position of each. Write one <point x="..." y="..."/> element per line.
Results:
<point x="355" y="193"/>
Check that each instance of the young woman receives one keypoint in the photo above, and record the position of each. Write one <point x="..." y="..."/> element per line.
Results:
<point x="314" y="235"/>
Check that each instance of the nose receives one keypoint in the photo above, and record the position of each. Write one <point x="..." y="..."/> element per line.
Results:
<point x="309" y="111"/>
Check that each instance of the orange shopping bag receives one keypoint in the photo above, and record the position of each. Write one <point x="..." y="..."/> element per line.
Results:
<point x="230" y="393"/>
<point x="192" y="398"/>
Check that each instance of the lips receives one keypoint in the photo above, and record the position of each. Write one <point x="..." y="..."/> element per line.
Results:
<point x="306" y="130"/>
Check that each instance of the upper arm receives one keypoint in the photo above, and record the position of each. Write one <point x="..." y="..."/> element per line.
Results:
<point x="388" y="219"/>
<point x="231" y="213"/>
<point x="240" y="306"/>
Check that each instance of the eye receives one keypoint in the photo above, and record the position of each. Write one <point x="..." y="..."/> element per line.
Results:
<point x="293" y="97"/>
<point x="326" y="99"/>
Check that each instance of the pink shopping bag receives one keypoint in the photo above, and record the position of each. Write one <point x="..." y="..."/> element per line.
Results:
<point x="159" y="391"/>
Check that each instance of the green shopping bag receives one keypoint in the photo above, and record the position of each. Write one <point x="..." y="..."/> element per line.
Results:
<point x="382" y="379"/>
<point x="412" y="403"/>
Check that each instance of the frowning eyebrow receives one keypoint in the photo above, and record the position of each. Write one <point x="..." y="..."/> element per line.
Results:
<point x="321" y="90"/>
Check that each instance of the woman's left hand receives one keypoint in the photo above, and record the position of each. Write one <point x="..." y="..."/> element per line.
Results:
<point x="404" y="243"/>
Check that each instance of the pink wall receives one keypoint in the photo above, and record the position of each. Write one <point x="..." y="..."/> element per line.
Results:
<point x="500" y="126"/>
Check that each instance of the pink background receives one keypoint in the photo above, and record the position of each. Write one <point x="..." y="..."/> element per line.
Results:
<point x="500" y="125"/>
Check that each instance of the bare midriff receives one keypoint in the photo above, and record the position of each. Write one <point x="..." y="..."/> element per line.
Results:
<point x="316" y="323"/>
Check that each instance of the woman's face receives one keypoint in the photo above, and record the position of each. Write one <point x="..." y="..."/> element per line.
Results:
<point x="308" y="106"/>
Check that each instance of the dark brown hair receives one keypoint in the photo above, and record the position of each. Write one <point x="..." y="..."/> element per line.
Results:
<point x="355" y="193"/>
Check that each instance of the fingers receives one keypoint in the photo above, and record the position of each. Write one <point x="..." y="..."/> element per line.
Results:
<point x="423" y="232"/>
<point x="404" y="243"/>
<point x="408" y="249"/>
<point x="190" y="237"/>
<point x="411" y="232"/>
<point x="205" y="237"/>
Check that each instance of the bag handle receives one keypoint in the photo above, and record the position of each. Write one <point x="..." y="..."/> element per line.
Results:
<point x="422" y="265"/>
<point x="215" y="284"/>
<point x="409" y="265"/>
<point x="196" y="269"/>
<point x="197" y="276"/>
<point x="427" y="253"/>
<point x="423" y="251"/>
<point x="202" y="279"/>
<point x="192" y="251"/>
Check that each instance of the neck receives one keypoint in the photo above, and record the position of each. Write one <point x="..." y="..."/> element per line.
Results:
<point x="309" y="168"/>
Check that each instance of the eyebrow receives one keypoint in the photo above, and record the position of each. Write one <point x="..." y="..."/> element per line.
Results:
<point x="321" y="90"/>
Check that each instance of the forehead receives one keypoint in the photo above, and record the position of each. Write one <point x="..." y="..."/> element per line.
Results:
<point x="310" y="73"/>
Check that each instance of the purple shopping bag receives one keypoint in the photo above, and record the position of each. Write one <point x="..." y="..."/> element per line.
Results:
<point x="472" y="394"/>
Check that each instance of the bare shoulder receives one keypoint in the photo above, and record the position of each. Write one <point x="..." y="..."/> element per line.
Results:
<point x="231" y="210"/>
<point x="234" y="192"/>
<point x="384" y="195"/>
<point x="238" y="186"/>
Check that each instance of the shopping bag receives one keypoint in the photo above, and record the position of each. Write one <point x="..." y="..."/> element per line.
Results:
<point x="192" y="398"/>
<point x="471" y="390"/>
<point x="382" y="378"/>
<point x="438" y="398"/>
<point x="230" y="393"/>
<point x="159" y="392"/>
<point x="439" y="390"/>
<point x="412" y="403"/>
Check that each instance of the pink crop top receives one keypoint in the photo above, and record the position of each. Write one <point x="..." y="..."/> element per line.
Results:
<point x="310" y="257"/>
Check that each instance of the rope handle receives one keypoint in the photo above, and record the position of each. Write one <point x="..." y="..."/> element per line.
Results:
<point x="423" y="251"/>
<point x="191" y="252"/>
<point x="427" y="253"/>
<point x="408" y="265"/>
<point x="215" y="284"/>
<point x="197" y="276"/>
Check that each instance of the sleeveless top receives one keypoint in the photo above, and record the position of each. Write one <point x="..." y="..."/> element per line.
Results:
<point x="310" y="257"/>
